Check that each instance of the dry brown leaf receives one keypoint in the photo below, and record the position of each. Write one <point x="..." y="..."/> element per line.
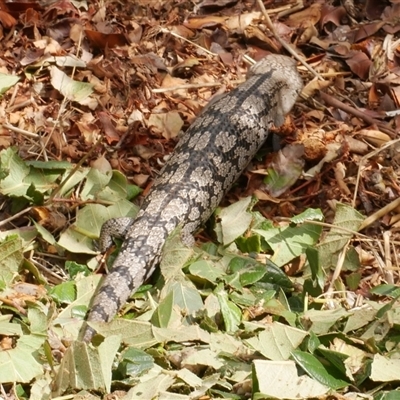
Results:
<point x="217" y="3"/>
<point x="182" y="68"/>
<point x="140" y="179"/>
<point x="316" y="114"/>
<point x="51" y="219"/>
<point x="357" y="146"/>
<point x="311" y="14"/>
<point x="377" y="138"/>
<point x="7" y="20"/>
<point x="204" y="22"/>
<point x="111" y="134"/>
<point x="18" y="7"/>
<point x="359" y="64"/>
<point x="238" y="23"/>
<point x="253" y="33"/>
<point x="374" y="8"/>
<point x="395" y="91"/>
<point x="309" y="31"/>
<point x="150" y="61"/>
<point x="183" y="31"/>
<point x="333" y="15"/>
<point x="135" y="32"/>
<point x="168" y="124"/>
<point x="101" y="164"/>
<point x="314" y="86"/>
<point x="49" y="45"/>
<point x="103" y="40"/>
<point x="367" y="30"/>
<point x="144" y="152"/>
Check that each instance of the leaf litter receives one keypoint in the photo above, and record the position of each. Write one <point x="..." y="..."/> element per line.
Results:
<point x="93" y="100"/>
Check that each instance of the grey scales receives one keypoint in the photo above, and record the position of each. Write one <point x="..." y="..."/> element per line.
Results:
<point x="207" y="160"/>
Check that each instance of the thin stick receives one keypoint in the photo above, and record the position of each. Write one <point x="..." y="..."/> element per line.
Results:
<point x="164" y="30"/>
<point x="271" y="27"/>
<point x="332" y="101"/>
<point x="21" y="131"/>
<point x="193" y="86"/>
<point x="361" y="164"/>
<point x="380" y="213"/>
<point x="15" y="216"/>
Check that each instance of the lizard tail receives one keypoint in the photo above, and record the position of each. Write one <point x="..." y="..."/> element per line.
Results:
<point x="135" y="262"/>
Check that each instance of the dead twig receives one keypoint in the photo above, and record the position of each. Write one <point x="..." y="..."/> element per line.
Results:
<point x="361" y="165"/>
<point x="333" y="102"/>
<point x="380" y="213"/>
<point x="290" y="9"/>
<point x="15" y="216"/>
<point x="194" y="86"/>
<point x="285" y="45"/>
<point x="165" y="30"/>
<point x="21" y="131"/>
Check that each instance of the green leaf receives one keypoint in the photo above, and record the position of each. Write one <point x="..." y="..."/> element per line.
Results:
<point x="250" y="244"/>
<point x="333" y="243"/>
<point x="252" y="271"/>
<point x="383" y="310"/>
<point x="284" y="169"/>
<point x="135" y="333"/>
<point x="320" y="321"/>
<point x="385" y="290"/>
<point x="187" y="298"/>
<point x="19" y="364"/>
<point x="164" y="314"/>
<point x="51" y="164"/>
<point x="335" y="358"/>
<point x="95" y="183"/>
<point x="9" y="329"/>
<point x="7" y="81"/>
<point x="74" y="269"/>
<point x="230" y="312"/>
<point x="107" y="351"/>
<point x="313" y="260"/>
<point x="44" y="233"/>
<point x="310" y="214"/>
<point x="134" y="362"/>
<point x="392" y="395"/>
<point x="205" y="270"/>
<point x="78" y="238"/>
<point x="276" y="276"/>
<point x="359" y="318"/>
<point x="313" y="342"/>
<point x="353" y="280"/>
<point x="64" y="292"/>
<point x="287" y="384"/>
<point x="252" y="275"/>
<point x="290" y="241"/>
<point x="11" y="256"/>
<point x="67" y="318"/>
<point x="70" y="89"/>
<point x="234" y="221"/>
<point x="277" y="341"/>
<point x="75" y="179"/>
<point x="175" y="255"/>
<point x="86" y="367"/>
<point x="14" y="183"/>
<point x="181" y="334"/>
<point x="160" y="381"/>
<point x="385" y="369"/>
<point x="316" y="370"/>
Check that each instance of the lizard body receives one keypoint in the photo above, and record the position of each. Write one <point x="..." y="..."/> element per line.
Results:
<point x="207" y="160"/>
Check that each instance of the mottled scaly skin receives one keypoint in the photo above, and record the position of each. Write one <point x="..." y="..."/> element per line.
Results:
<point x="205" y="163"/>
